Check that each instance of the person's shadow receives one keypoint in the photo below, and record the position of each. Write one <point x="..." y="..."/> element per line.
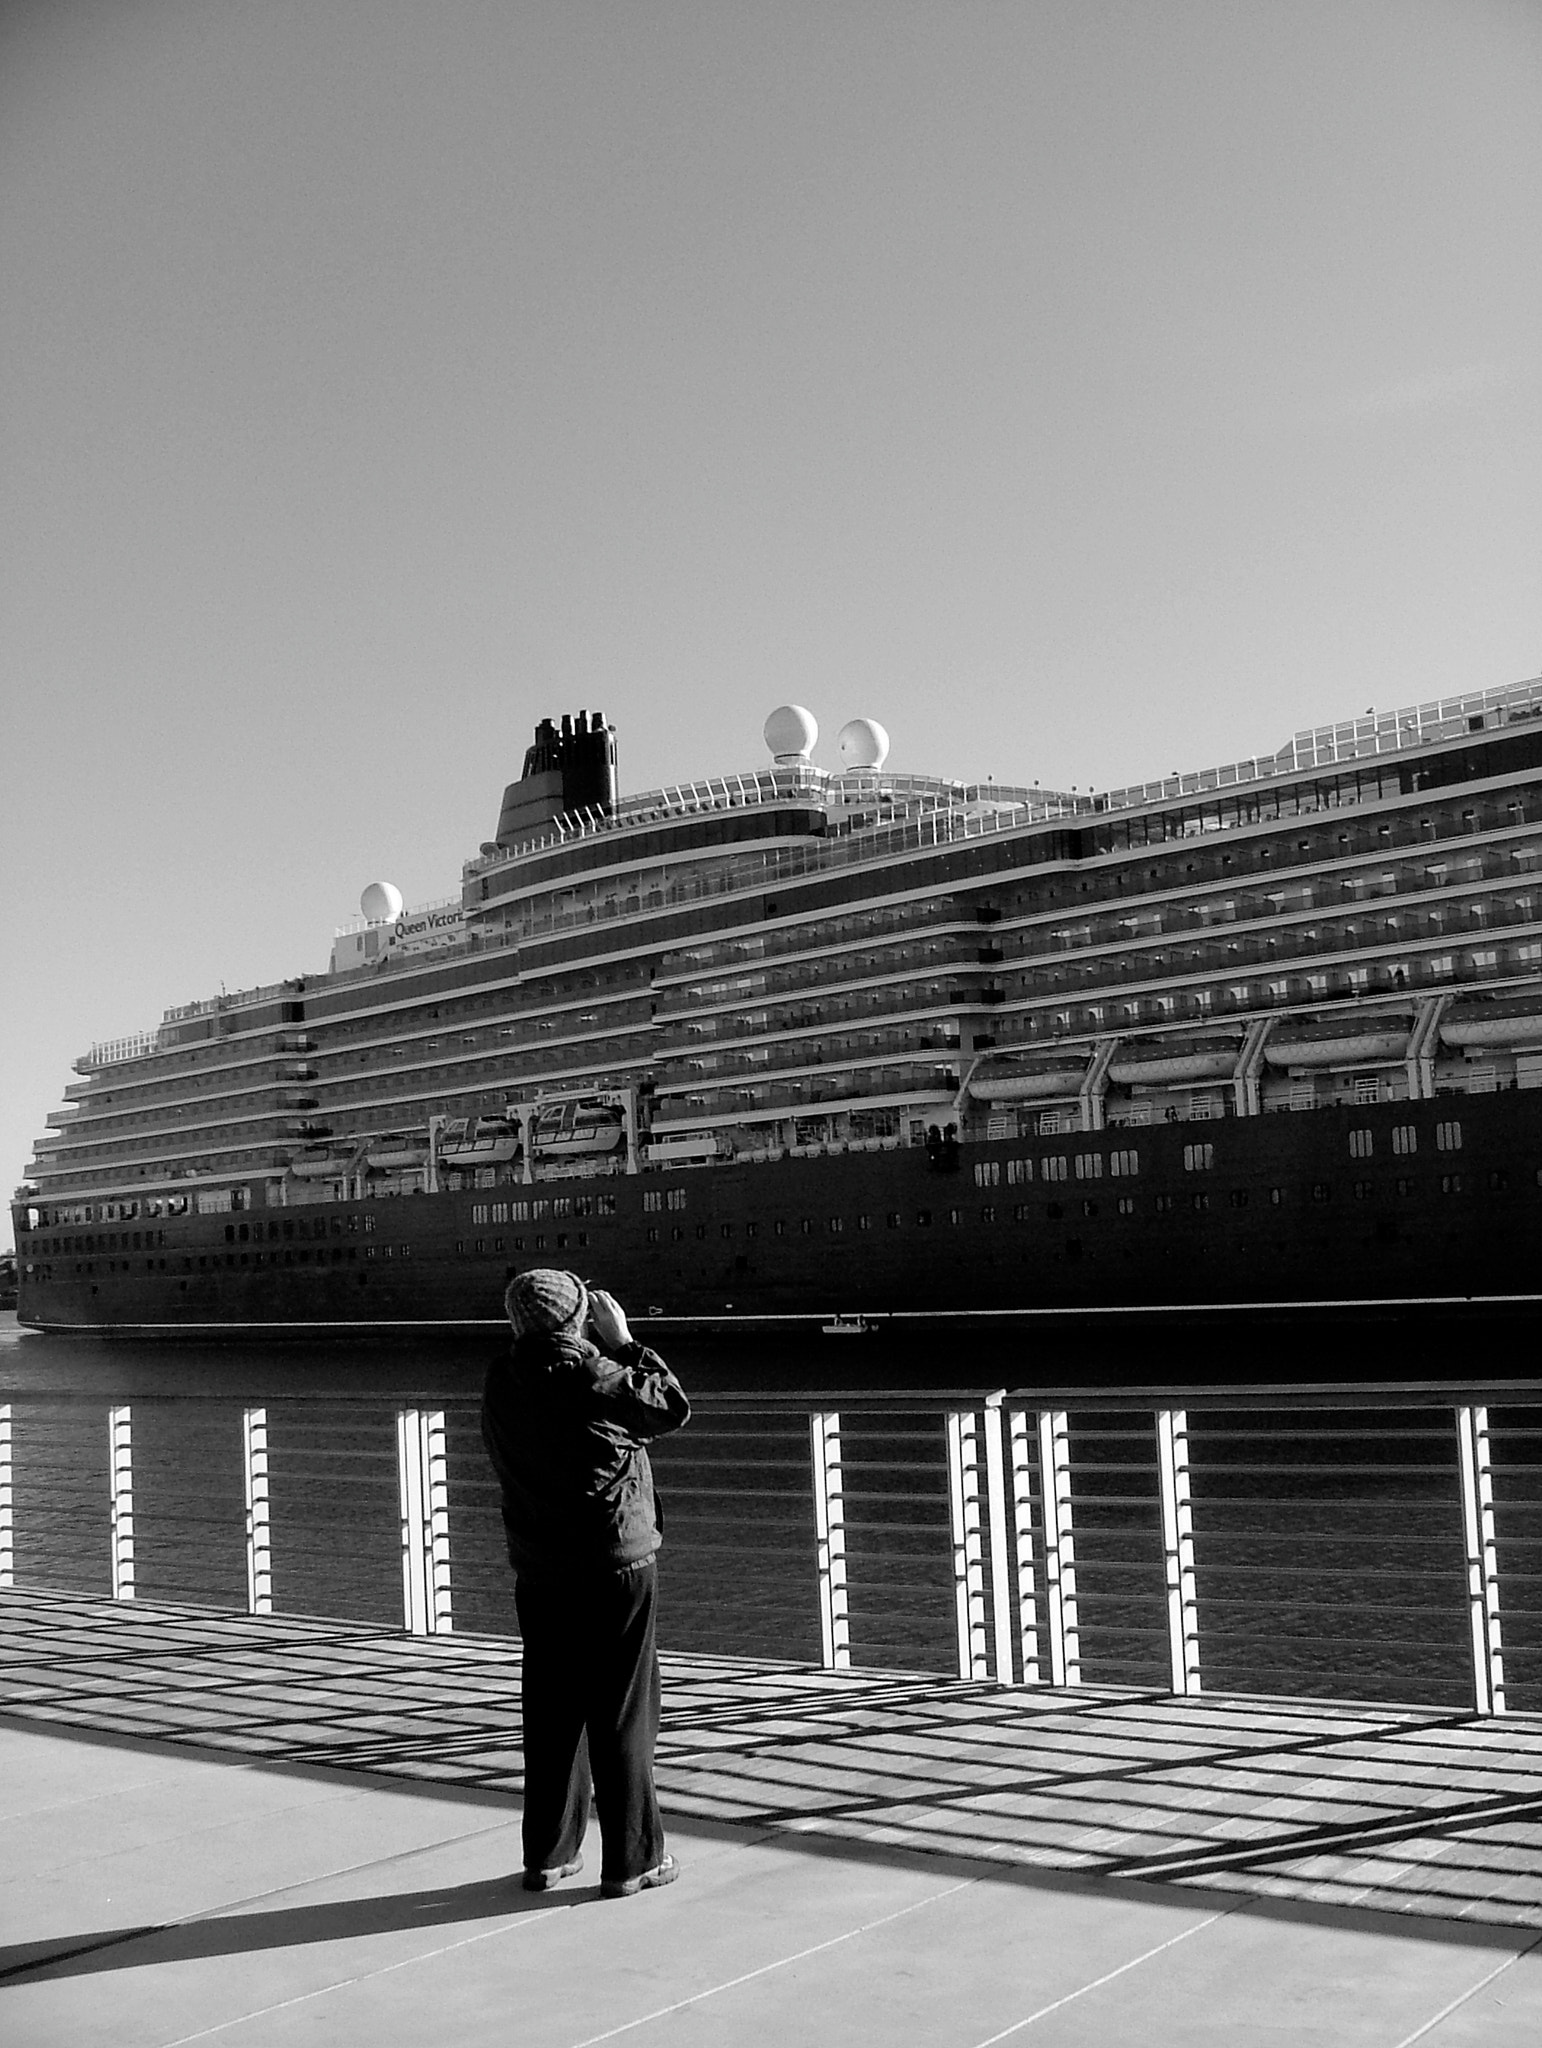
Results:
<point x="232" y="1934"/>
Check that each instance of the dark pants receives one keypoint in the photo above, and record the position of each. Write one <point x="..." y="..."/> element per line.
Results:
<point x="591" y="1669"/>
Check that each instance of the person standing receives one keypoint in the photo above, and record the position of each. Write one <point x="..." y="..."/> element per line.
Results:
<point x="566" y="1412"/>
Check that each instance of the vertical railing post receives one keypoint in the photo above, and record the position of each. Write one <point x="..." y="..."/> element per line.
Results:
<point x="1488" y="1671"/>
<point x="830" y="1537"/>
<point x="1022" y="1516"/>
<point x="7" y="1531"/>
<point x="996" y="1523"/>
<point x="1059" y="1547"/>
<point x="409" y="1489"/>
<point x="968" y="1566"/>
<point x="120" y="1450"/>
<point x="436" y="1501"/>
<point x="259" y="1549"/>
<point x="1178" y="1548"/>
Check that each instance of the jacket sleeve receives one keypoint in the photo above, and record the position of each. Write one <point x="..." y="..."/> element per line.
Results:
<point x="636" y="1391"/>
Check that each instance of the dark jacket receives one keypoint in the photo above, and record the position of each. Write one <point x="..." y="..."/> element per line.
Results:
<point x="564" y="1426"/>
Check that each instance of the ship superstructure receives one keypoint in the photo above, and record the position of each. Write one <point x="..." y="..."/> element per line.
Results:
<point x="847" y="977"/>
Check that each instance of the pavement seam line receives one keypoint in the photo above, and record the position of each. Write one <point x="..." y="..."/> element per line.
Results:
<point x="1445" y="2012"/>
<point x="507" y="1925"/>
<point x="765" y="1969"/>
<point x="1098" y="1982"/>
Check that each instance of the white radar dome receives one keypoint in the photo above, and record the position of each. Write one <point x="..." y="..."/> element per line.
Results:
<point x="381" y="903"/>
<point x="791" y="732"/>
<point x="863" y="744"/>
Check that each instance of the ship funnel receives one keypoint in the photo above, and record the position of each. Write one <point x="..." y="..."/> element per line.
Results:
<point x="571" y="769"/>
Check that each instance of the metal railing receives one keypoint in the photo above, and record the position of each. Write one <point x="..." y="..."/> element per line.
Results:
<point x="1328" y="1544"/>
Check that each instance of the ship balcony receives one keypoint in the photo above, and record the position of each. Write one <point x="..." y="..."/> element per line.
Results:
<point x="296" y="1041"/>
<point x="300" y="1071"/>
<point x="292" y="1101"/>
<point x="67" y="1115"/>
<point x="303" y="1128"/>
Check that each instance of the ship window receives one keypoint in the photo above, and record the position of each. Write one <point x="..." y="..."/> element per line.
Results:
<point x="1200" y="1201"/>
<point x="404" y="1251"/>
<point x="1450" y="1183"/>
<point x="1448" y="1137"/>
<point x="605" y="1205"/>
<point x="1163" y="1204"/>
<point x="1321" y="1192"/>
<point x="701" y="1230"/>
<point x="1198" y="1158"/>
<point x="540" y="1240"/>
<point x="727" y="1230"/>
<point x="369" y="1251"/>
<point x="675" y="1232"/>
<point x="1053" y="1169"/>
<point x="1364" y="1190"/>
<point x="1089" y="1166"/>
<point x="955" y="1216"/>
<point x="807" y="1226"/>
<point x="1405" y="1139"/>
<point x="1089" y="1208"/>
<point x="230" y="1233"/>
<point x="987" y="1215"/>
<point x="779" y="1227"/>
<point x="892" y="1219"/>
<point x="653" y="1233"/>
<point x="460" y="1244"/>
<point x="1238" y="1198"/>
<point x="1126" y="1205"/>
<point x="1126" y="1164"/>
<point x="1018" y="1171"/>
<point x="1361" y="1144"/>
<point x="1406" y="1186"/>
<point x="677" y="1198"/>
<point x="481" y="1244"/>
<point x="752" y="1230"/>
<point x="923" y="1216"/>
<point x="837" y="1223"/>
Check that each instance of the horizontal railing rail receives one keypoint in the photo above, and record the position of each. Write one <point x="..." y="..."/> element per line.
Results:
<point x="1328" y="1542"/>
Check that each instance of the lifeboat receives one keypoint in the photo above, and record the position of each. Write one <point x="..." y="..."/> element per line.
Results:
<point x="1517" y="1031"/>
<point x="395" y="1152"/>
<point x="1366" y="1048"/>
<point x="491" y="1141"/>
<point x="317" y="1165"/>
<point x="1165" y="1069"/>
<point x="1028" y="1085"/>
<point x="577" y="1129"/>
<point x="683" y="1146"/>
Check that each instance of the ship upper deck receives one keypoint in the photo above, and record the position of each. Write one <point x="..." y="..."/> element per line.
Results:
<point x="865" y="817"/>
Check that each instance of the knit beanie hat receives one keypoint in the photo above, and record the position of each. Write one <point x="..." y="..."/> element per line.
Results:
<point x="546" y="1300"/>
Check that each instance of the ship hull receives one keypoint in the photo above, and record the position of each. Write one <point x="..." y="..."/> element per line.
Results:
<point x="1371" y="1209"/>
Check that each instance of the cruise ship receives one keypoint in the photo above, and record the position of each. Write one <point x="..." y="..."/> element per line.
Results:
<point x="832" y="1043"/>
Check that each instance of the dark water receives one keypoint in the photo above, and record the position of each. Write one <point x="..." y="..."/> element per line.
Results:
<point x="1328" y="1531"/>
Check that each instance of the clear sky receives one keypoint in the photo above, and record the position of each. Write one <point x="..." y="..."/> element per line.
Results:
<point x="1083" y="388"/>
